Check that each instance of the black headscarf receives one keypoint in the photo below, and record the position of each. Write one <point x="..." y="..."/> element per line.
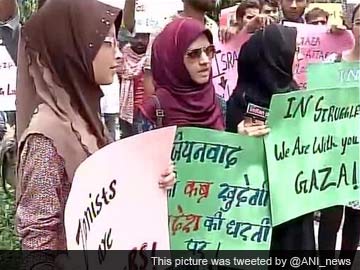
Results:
<point x="265" y="68"/>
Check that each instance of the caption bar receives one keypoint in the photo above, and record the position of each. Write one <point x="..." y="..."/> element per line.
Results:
<point x="294" y="262"/>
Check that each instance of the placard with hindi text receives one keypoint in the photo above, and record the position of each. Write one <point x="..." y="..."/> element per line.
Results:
<point x="221" y="199"/>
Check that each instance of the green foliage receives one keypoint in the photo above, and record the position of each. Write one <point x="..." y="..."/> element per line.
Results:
<point x="27" y="8"/>
<point x="8" y="238"/>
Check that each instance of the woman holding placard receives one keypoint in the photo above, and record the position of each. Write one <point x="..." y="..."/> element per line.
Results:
<point x="265" y="68"/>
<point x="58" y="110"/>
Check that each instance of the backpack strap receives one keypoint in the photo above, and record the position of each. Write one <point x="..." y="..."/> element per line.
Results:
<point x="159" y="112"/>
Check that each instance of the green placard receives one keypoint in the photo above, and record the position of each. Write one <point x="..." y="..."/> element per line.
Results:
<point x="221" y="199"/>
<point x="333" y="75"/>
<point x="313" y="151"/>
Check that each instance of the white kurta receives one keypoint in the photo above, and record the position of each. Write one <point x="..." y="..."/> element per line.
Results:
<point x="110" y="103"/>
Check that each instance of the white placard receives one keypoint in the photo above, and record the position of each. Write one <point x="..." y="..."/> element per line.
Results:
<point x="152" y="16"/>
<point x="115" y="202"/>
<point x="7" y="80"/>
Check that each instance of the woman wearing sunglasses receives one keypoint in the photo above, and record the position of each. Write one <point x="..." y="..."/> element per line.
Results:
<point x="181" y="66"/>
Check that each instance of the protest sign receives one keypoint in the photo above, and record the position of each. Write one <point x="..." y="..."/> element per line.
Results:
<point x="115" y="201"/>
<point x="152" y="16"/>
<point x="220" y="201"/>
<point x="335" y="11"/>
<point x="315" y="43"/>
<point x="7" y="80"/>
<point x="333" y="75"/>
<point x="224" y="65"/>
<point x="228" y="16"/>
<point x="313" y="151"/>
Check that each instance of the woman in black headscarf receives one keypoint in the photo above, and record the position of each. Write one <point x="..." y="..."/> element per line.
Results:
<point x="265" y="68"/>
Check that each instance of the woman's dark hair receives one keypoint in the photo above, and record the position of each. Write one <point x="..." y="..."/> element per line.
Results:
<point x="354" y="13"/>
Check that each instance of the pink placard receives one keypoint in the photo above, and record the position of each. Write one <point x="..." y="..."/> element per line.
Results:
<point x="224" y="65"/>
<point x="115" y="200"/>
<point x="226" y="15"/>
<point x="315" y="43"/>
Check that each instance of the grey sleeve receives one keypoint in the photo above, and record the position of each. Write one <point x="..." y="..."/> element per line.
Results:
<point x="2" y="125"/>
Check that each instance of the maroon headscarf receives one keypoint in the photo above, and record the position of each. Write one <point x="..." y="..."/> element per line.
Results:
<point x="185" y="103"/>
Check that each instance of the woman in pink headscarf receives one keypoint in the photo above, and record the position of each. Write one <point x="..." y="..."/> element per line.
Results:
<point x="181" y="66"/>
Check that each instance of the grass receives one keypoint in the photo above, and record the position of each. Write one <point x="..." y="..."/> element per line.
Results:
<point x="8" y="237"/>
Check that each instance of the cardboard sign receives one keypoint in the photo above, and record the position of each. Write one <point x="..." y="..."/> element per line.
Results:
<point x="225" y="65"/>
<point x="333" y="75"/>
<point x="115" y="201"/>
<point x="315" y="43"/>
<point x="228" y="16"/>
<point x="335" y="11"/>
<point x="152" y="16"/>
<point x="8" y="71"/>
<point x="313" y="151"/>
<point x="221" y="199"/>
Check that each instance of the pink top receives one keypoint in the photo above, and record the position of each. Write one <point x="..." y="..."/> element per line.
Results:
<point x="45" y="189"/>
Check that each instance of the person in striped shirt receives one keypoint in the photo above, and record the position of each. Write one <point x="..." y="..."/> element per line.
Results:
<point x="132" y="88"/>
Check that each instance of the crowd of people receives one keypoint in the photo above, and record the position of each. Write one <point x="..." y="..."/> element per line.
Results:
<point x="164" y="79"/>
